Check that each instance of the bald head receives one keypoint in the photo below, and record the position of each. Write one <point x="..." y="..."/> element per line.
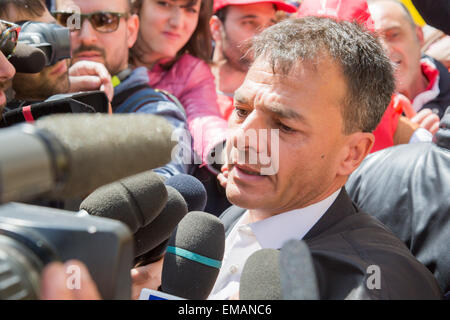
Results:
<point x="395" y="4"/>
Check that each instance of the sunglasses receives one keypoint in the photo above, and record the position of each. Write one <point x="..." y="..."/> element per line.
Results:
<point x="9" y="37"/>
<point x="104" y="22"/>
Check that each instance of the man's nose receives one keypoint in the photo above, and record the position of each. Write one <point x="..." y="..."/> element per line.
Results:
<point x="251" y="135"/>
<point x="7" y="70"/>
<point x="87" y="34"/>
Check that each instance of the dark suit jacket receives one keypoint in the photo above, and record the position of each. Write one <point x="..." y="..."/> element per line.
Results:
<point x="345" y="242"/>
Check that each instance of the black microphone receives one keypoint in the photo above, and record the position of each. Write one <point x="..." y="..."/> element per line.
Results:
<point x="194" y="256"/>
<point x="288" y="274"/>
<point x="298" y="276"/>
<point x="260" y="278"/>
<point x="28" y="59"/>
<point x="192" y="190"/>
<point x="135" y="201"/>
<point x="159" y="230"/>
<point x="67" y="156"/>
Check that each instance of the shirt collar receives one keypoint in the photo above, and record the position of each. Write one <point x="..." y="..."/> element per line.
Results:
<point x="431" y="72"/>
<point x="273" y="232"/>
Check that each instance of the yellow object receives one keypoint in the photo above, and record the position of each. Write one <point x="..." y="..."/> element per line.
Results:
<point x="415" y="14"/>
<point x="115" y="81"/>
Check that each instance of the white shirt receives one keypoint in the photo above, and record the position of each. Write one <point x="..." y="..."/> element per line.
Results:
<point x="246" y="238"/>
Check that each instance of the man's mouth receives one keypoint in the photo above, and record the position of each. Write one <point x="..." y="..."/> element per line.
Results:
<point x="247" y="170"/>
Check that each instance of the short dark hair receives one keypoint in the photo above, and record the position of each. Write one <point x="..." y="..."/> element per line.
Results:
<point x="35" y="8"/>
<point x="366" y="68"/>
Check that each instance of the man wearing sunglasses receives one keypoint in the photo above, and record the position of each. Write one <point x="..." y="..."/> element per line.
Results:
<point x="57" y="78"/>
<point x="105" y="32"/>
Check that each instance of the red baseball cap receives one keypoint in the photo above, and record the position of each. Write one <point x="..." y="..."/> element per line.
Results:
<point x="347" y="10"/>
<point x="280" y="5"/>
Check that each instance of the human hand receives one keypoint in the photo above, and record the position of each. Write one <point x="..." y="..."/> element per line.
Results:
<point x="148" y="277"/>
<point x="57" y="282"/>
<point x="90" y="76"/>
<point x="223" y="176"/>
<point x="425" y="118"/>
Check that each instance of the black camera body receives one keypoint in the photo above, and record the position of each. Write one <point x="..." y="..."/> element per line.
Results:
<point x="51" y="38"/>
<point x="31" y="237"/>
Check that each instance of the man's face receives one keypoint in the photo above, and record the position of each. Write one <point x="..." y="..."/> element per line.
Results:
<point x="111" y="48"/>
<point x="242" y="23"/>
<point x="7" y="72"/>
<point x="305" y="107"/>
<point x="50" y="81"/>
<point x="401" y="40"/>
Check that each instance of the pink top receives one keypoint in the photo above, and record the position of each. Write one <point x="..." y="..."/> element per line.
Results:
<point x="191" y="81"/>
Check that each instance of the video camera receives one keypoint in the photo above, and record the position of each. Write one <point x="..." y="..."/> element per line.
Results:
<point x="52" y="39"/>
<point x="31" y="237"/>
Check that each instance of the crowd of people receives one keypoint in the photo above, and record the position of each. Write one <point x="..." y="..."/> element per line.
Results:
<point x="363" y="162"/>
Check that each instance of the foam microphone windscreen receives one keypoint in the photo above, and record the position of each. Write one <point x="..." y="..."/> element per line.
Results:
<point x="28" y="59"/>
<point x="192" y="190"/>
<point x="105" y="148"/>
<point x="135" y="201"/>
<point x="160" y="229"/>
<point x="194" y="256"/>
<point x="298" y="276"/>
<point x="260" y="278"/>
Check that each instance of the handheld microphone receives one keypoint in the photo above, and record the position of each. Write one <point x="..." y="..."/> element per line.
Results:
<point x="67" y="156"/>
<point x="287" y="274"/>
<point x="260" y="278"/>
<point x="298" y="276"/>
<point x="135" y="201"/>
<point x="28" y="59"/>
<point x="192" y="190"/>
<point x="194" y="256"/>
<point x="159" y="230"/>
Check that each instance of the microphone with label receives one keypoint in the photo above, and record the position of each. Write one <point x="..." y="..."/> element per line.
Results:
<point x="193" y="258"/>
<point x="135" y="201"/>
<point x="67" y="156"/>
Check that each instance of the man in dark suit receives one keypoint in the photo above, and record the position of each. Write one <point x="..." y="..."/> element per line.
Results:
<point x="320" y="87"/>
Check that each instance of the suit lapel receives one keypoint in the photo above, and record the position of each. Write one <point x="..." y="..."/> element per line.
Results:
<point x="339" y="210"/>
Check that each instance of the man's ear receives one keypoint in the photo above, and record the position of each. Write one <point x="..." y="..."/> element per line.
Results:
<point x="359" y="145"/>
<point x="419" y="34"/>
<point x="216" y="26"/>
<point x="132" y="30"/>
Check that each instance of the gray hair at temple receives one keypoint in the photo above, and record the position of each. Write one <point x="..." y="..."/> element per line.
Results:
<point x="364" y="64"/>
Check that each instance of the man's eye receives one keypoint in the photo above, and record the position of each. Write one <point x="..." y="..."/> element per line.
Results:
<point x="163" y="3"/>
<point x="241" y="112"/>
<point x="285" y="128"/>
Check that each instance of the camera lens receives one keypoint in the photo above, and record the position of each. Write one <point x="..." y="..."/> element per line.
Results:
<point x="19" y="271"/>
